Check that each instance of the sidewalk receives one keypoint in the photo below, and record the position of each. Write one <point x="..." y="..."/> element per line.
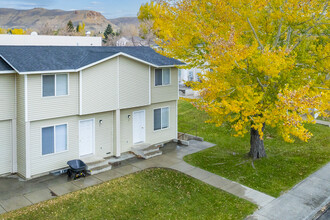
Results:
<point x="15" y="193"/>
<point x="303" y="201"/>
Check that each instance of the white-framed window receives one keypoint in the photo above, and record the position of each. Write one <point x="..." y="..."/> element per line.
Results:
<point x="54" y="139"/>
<point x="162" y="77"/>
<point x="54" y="85"/>
<point x="161" y="118"/>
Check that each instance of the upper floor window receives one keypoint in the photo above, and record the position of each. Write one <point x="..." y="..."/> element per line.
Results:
<point x="54" y="85"/>
<point x="162" y="77"/>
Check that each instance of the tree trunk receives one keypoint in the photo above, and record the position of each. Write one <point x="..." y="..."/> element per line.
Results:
<point x="257" y="149"/>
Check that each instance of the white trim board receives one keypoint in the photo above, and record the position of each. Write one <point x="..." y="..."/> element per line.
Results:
<point x="7" y="71"/>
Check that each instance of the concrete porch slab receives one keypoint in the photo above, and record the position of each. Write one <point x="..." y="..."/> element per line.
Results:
<point x="108" y="175"/>
<point x="145" y="164"/>
<point x="87" y="181"/>
<point x="127" y="169"/>
<point x="39" y="196"/>
<point x="15" y="203"/>
<point x="64" y="188"/>
<point x="166" y="161"/>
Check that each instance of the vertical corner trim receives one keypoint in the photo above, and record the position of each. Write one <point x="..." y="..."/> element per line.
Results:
<point x="26" y="98"/>
<point x="149" y="85"/>
<point x="118" y="81"/>
<point x="80" y="92"/>
<point x="14" y="141"/>
<point x="27" y="151"/>
<point x="176" y="118"/>
<point x="118" y="147"/>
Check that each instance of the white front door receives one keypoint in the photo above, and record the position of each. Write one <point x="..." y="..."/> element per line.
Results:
<point x="139" y="134"/>
<point x="86" y="137"/>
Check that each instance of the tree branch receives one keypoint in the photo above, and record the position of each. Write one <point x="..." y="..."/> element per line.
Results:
<point x="255" y="34"/>
<point x="301" y="39"/>
<point x="262" y="86"/>
<point x="278" y="34"/>
<point x="288" y="37"/>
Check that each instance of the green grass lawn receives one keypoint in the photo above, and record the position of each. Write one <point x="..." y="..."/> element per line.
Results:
<point x="149" y="194"/>
<point x="286" y="164"/>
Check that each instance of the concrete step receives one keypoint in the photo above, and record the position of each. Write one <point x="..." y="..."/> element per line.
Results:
<point x="150" y="149"/>
<point x="95" y="164"/>
<point x="147" y="151"/>
<point x="152" y="154"/>
<point x="116" y="161"/>
<point x="100" y="169"/>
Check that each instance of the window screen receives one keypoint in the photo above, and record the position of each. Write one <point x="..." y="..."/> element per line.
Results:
<point x="61" y="138"/>
<point x="165" y="117"/>
<point x="61" y="84"/>
<point x="166" y="76"/>
<point x="48" y="85"/>
<point x="47" y="140"/>
<point x="158" y="77"/>
<point x="157" y="119"/>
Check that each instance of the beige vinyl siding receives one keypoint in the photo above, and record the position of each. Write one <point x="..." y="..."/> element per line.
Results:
<point x="6" y="147"/>
<point x="99" y="87"/>
<point x="45" y="163"/>
<point x="7" y="96"/>
<point x="167" y="92"/>
<point x="55" y="106"/>
<point x="103" y="132"/>
<point x="152" y="137"/>
<point x="133" y="83"/>
<point x="21" y="160"/>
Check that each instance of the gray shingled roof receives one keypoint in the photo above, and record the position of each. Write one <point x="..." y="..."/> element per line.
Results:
<point x="4" y="66"/>
<point x="52" y="58"/>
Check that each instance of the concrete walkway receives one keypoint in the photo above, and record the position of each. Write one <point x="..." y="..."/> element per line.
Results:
<point x="16" y="193"/>
<point x="303" y="201"/>
<point x="321" y="122"/>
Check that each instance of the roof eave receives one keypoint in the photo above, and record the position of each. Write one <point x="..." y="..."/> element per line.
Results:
<point x="97" y="62"/>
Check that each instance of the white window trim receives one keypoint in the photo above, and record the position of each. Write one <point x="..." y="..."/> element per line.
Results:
<point x="42" y="85"/>
<point x="67" y="139"/>
<point x="162" y="77"/>
<point x="161" y="119"/>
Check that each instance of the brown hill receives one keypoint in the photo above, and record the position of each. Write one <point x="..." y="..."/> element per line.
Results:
<point x="125" y="20"/>
<point x="38" y="18"/>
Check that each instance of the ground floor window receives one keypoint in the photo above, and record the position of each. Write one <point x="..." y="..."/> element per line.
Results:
<point x="161" y="118"/>
<point x="54" y="139"/>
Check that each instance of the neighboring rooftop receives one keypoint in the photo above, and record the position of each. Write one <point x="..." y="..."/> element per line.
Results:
<point x="26" y="59"/>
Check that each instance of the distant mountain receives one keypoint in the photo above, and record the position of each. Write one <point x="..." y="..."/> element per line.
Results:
<point x="125" y="21"/>
<point x="38" y="18"/>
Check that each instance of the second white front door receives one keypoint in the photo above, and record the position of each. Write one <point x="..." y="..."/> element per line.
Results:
<point x="139" y="134"/>
<point x="86" y="137"/>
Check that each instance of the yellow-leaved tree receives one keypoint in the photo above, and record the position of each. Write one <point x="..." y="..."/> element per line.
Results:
<point x="265" y="62"/>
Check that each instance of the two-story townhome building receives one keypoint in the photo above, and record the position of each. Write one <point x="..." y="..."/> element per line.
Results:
<point x="59" y="103"/>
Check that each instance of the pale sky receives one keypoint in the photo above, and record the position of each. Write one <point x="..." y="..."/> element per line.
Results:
<point x="109" y="8"/>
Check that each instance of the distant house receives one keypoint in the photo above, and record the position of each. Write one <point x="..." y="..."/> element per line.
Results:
<point x="49" y="40"/>
<point x="133" y="41"/>
<point x="59" y="103"/>
<point x="186" y="75"/>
